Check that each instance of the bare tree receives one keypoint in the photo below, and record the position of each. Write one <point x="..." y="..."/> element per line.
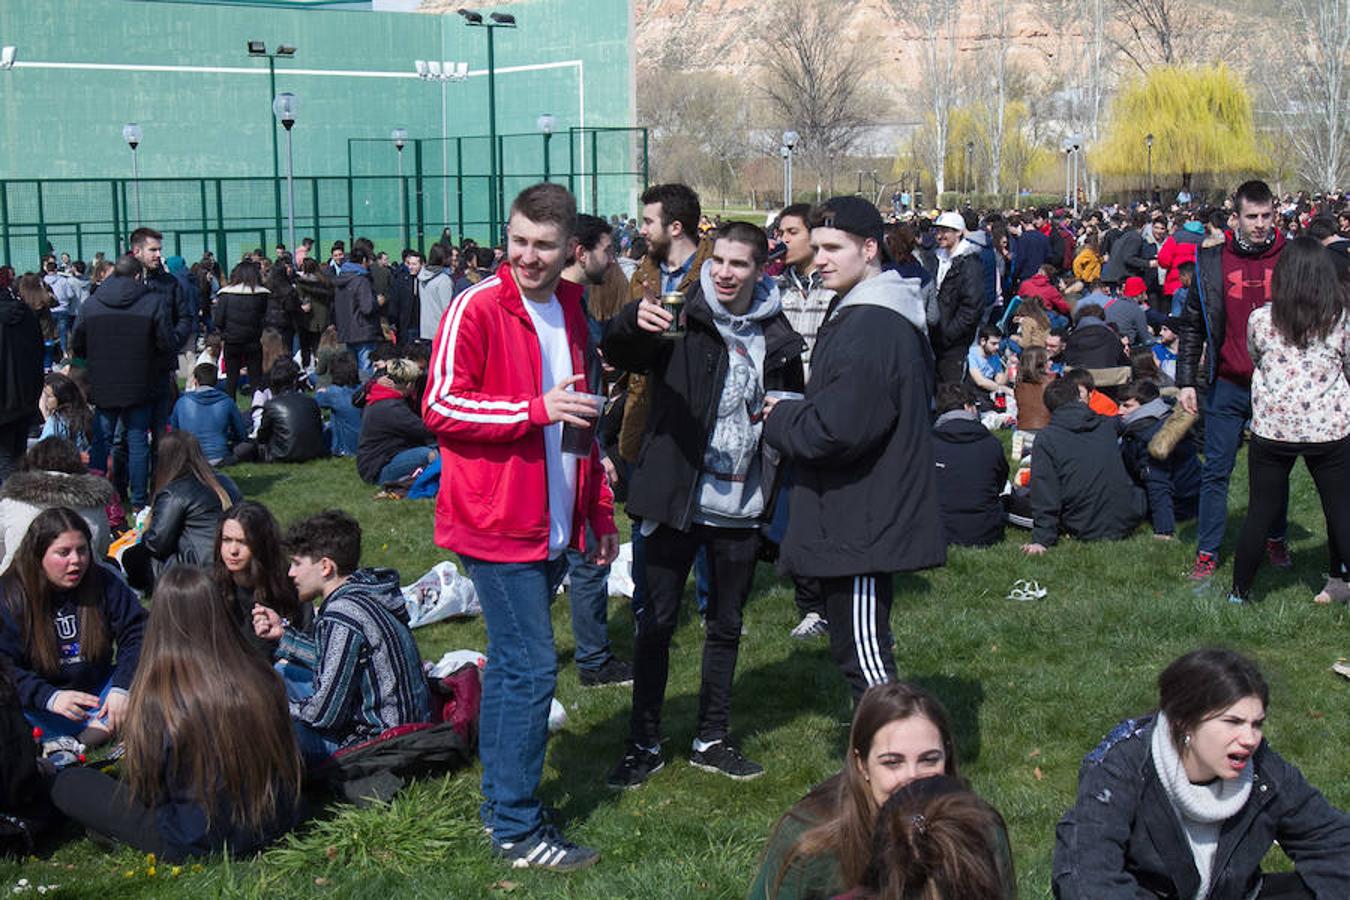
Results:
<point x="935" y="21"/>
<point x="998" y="26"/>
<point x="699" y="127"/>
<point x="1160" y="32"/>
<point x="814" y="83"/>
<point x="1309" y="94"/>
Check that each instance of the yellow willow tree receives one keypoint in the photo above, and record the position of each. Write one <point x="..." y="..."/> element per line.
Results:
<point x="1200" y="120"/>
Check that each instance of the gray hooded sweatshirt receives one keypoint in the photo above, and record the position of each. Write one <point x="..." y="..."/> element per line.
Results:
<point x="892" y="291"/>
<point x="729" y="490"/>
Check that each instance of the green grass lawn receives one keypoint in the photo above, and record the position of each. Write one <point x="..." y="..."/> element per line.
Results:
<point x="1031" y="687"/>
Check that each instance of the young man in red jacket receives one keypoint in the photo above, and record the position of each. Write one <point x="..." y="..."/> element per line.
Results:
<point x="506" y="358"/>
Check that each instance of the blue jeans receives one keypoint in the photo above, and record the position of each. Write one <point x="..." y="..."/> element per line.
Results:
<point x="135" y="421"/>
<point x="1227" y="408"/>
<point x="314" y="747"/>
<point x="589" y="596"/>
<point x="54" y="725"/>
<point x="65" y="322"/>
<point x="362" y="351"/>
<point x="518" y="685"/>
<point x="405" y="462"/>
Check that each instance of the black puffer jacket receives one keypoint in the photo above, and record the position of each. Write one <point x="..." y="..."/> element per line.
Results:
<point x="122" y="333"/>
<point x="864" y="497"/>
<point x="1078" y="481"/>
<point x="971" y="474"/>
<point x="240" y="312"/>
<point x="292" y="428"/>
<point x="1094" y="345"/>
<point x="21" y="354"/>
<point x="960" y="301"/>
<point x="687" y="376"/>
<point x="1123" y="841"/>
<point x="355" y="311"/>
<point x="183" y="520"/>
<point x="177" y="308"/>
<point x="388" y="427"/>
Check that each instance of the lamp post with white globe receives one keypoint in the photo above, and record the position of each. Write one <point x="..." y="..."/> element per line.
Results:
<point x="790" y="139"/>
<point x="285" y="107"/>
<point x="400" y="137"/>
<point x="131" y="133"/>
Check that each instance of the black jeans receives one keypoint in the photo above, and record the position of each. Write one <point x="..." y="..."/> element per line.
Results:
<point x="1283" y="886"/>
<point x="732" y="554"/>
<point x="858" y="608"/>
<point x="239" y="356"/>
<point x="105" y="806"/>
<point x="1268" y="467"/>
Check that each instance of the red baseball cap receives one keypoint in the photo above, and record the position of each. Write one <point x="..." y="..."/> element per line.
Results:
<point x="1134" y="286"/>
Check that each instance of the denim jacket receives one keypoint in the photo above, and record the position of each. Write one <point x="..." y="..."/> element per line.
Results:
<point x="1122" y="840"/>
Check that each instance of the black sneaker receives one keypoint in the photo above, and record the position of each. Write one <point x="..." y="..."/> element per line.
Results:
<point x="547" y="849"/>
<point x="635" y="768"/>
<point x="726" y="759"/>
<point x="614" y="671"/>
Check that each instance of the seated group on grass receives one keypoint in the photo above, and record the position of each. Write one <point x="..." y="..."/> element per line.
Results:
<point x="225" y="692"/>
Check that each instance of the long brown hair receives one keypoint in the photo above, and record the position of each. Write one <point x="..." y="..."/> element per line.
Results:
<point x="936" y="840"/>
<point x="29" y="593"/>
<point x="1307" y="299"/>
<point x="845" y="801"/>
<point x="179" y="456"/>
<point x="1033" y="366"/>
<point x="272" y="586"/>
<point x="219" y="710"/>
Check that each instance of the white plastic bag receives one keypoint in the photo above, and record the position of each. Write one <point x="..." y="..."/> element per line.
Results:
<point x="452" y="660"/>
<point x="621" y="573"/>
<point x="439" y="594"/>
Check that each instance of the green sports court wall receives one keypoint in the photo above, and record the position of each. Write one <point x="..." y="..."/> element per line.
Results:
<point x="181" y="70"/>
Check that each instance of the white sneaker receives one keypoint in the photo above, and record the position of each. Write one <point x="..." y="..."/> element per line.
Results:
<point x="811" y="625"/>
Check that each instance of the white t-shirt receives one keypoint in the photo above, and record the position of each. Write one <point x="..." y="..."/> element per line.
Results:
<point x="556" y="355"/>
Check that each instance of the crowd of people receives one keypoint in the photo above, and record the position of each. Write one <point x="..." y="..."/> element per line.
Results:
<point x="825" y="392"/>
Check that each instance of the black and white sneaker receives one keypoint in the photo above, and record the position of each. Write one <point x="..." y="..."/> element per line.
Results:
<point x="725" y="759"/>
<point x="547" y="849"/>
<point x="638" y="764"/>
<point x="614" y="672"/>
<point x="811" y="625"/>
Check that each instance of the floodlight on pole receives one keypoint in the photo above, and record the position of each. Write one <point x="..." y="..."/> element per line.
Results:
<point x="285" y="107"/>
<point x="498" y="20"/>
<point x="8" y="54"/>
<point x="282" y="51"/>
<point x="443" y="71"/>
<point x="131" y="133"/>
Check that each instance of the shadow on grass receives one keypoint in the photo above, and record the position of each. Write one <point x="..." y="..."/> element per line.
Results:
<point x="962" y="697"/>
<point x="255" y="483"/>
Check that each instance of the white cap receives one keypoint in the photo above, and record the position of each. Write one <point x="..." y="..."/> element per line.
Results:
<point x="952" y="220"/>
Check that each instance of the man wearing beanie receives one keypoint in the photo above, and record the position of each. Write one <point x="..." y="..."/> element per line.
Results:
<point x="864" y="498"/>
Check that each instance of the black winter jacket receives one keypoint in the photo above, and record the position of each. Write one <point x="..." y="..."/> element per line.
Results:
<point x="388" y="427"/>
<point x="1094" y="345"/>
<point x="183" y="520"/>
<point x="21" y="357"/>
<point x="123" y="330"/>
<point x="240" y="313"/>
<point x="404" y="308"/>
<point x="355" y="311"/>
<point x="1128" y="256"/>
<point x="687" y="376"/>
<point x="1122" y="840"/>
<point x="864" y="498"/>
<point x="291" y="429"/>
<point x="960" y="302"/>
<point x="1078" y="482"/>
<point x="177" y="309"/>
<point x="1172" y="484"/>
<point x="971" y="474"/>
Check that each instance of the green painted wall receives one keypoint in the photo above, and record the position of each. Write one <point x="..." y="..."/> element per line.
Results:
<point x="61" y="112"/>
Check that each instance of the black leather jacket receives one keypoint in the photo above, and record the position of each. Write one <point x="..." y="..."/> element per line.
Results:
<point x="292" y="429"/>
<point x="1122" y="840"/>
<point x="183" y="521"/>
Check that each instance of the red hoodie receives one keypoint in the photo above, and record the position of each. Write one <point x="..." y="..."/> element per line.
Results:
<point x="1039" y="286"/>
<point x="1246" y="287"/>
<point x="484" y="405"/>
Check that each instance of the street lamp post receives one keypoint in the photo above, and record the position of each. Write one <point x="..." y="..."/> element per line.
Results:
<point x="131" y="133"/>
<point x="1148" y="145"/>
<point x="284" y="107"/>
<point x="784" y="152"/>
<point x="283" y="51"/>
<point x="1076" y="140"/>
<point x="400" y="137"/>
<point x="970" y="176"/>
<point x="790" y="139"/>
<point x="546" y="123"/>
<point x="496" y="20"/>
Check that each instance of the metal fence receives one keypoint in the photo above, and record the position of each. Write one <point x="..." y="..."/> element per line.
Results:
<point x="438" y="184"/>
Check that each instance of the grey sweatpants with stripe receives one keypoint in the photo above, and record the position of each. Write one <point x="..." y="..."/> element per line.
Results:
<point x="858" y="608"/>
